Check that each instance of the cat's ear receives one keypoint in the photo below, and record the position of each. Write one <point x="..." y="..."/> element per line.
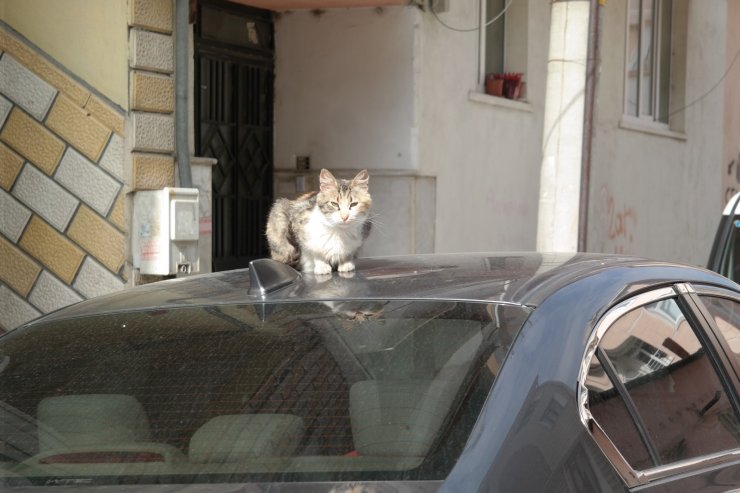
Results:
<point x="361" y="180"/>
<point x="327" y="181"/>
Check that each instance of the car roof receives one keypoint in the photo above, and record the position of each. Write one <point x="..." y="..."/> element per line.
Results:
<point x="524" y="278"/>
<point x="733" y="205"/>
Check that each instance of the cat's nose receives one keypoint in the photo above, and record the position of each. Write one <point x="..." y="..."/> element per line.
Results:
<point x="344" y="217"/>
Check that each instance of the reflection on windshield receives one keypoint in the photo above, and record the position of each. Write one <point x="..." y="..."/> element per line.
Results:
<point x="290" y="391"/>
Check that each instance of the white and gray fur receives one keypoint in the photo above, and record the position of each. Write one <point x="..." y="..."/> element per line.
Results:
<point x="322" y="231"/>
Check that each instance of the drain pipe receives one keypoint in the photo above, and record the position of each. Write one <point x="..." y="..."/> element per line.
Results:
<point x="592" y="69"/>
<point x="182" y="13"/>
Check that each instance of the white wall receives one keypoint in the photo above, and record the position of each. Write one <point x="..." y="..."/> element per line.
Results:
<point x="345" y="92"/>
<point x="392" y="91"/>
<point x="344" y="88"/>
<point x="485" y="154"/>
<point x="659" y="195"/>
<point x="397" y="90"/>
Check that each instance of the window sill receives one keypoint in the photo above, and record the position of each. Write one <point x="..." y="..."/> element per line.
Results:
<point x="519" y="105"/>
<point x="652" y="128"/>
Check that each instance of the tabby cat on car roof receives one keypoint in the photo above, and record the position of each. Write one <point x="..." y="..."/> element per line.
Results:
<point x="322" y="231"/>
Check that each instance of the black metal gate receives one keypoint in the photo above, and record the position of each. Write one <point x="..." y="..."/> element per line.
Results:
<point x="234" y="72"/>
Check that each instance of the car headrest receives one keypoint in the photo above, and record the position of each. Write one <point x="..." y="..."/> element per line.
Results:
<point x="90" y="419"/>
<point x="398" y="418"/>
<point x="401" y="417"/>
<point x="238" y="437"/>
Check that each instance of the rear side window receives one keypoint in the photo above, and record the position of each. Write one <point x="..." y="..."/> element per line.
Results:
<point x="289" y="392"/>
<point x="726" y="315"/>
<point x="654" y="390"/>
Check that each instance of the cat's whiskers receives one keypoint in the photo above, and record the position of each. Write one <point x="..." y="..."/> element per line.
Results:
<point x="377" y="225"/>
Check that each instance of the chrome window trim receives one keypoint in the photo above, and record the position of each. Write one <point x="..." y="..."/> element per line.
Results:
<point x="717" y="291"/>
<point x="629" y="475"/>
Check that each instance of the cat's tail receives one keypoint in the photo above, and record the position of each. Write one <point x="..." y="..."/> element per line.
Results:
<point x="279" y="235"/>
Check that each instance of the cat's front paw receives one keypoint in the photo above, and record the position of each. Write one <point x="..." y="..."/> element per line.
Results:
<point x="321" y="268"/>
<point x="346" y="267"/>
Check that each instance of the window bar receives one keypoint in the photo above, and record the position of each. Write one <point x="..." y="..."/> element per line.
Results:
<point x="640" y="20"/>
<point x="655" y="62"/>
<point x="482" y="46"/>
<point x="631" y="409"/>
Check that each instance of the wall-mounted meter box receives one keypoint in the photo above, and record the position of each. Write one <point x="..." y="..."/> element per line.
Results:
<point x="165" y="231"/>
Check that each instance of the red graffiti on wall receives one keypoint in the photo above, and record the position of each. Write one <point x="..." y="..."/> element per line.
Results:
<point x="621" y="221"/>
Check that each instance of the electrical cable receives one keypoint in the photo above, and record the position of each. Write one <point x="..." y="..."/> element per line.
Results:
<point x="506" y="7"/>
<point x="729" y="67"/>
<point x="498" y="16"/>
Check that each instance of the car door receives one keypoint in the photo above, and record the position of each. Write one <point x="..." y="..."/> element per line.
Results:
<point x="659" y="389"/>
<point x="724" y="257"/>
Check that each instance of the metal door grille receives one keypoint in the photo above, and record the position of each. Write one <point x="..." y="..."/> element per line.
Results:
<point x="234" y="113"/>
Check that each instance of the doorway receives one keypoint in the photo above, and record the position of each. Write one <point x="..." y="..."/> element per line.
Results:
<point x="234" y="88"/>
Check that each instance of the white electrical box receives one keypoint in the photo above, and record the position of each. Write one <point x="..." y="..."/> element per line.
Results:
<point x="165" y="231"/>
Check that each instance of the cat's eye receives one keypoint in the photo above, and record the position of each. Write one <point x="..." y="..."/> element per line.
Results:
<point x="334" y="204"/>
<point x="352" y="204"/>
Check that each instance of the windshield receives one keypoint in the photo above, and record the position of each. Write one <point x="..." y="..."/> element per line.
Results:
<point x="268" y="392"/>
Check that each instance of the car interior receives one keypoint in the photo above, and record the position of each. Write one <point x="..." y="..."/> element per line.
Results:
<point x="305" y="392"/>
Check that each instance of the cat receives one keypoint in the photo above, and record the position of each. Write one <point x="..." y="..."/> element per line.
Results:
<point x="322" y="231"/>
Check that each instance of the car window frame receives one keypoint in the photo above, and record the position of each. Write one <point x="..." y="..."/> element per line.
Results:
<point x="720" y="247"/>
<point x="700" y="319"/>
<point x="721" y="342"/>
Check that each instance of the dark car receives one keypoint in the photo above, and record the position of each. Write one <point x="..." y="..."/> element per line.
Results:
<point x="455" y="373"/>
<point x="725" y="255"/>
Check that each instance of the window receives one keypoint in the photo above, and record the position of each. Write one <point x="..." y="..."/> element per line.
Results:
<point x="726" y="314"/>
<point x="653" y="389"/>
<point x="648" y="70"/>
<point x="503" y="45"/>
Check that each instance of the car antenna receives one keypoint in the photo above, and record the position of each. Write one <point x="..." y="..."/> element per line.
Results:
<point x="266" y="276"/>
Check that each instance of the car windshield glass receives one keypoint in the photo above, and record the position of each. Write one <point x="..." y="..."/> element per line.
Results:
<point x="380" y="390"/>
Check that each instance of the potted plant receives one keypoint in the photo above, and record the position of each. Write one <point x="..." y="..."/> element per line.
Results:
<point x="494" y="84"/>
<point x="513" y="85"/>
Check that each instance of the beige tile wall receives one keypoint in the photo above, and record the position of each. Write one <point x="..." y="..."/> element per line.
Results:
<point x="54" y="222"/>
<point x="69" y="160"/>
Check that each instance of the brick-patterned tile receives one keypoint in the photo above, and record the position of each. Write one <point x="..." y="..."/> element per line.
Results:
<point x="10" y="166"/>
<point x="155" y="15"/>
<point x="52" y="249"/>
<point x="16" y="310"/>
<point x="28" y="138"/>
<point x="17" y="269"/>
<point x="51" y="294"/>
<point x="13" y="217"/>
<point x="152" y="92"/>
<point x="95" y="280"/>
<point x="87" y="181"/>
<point x="154" y="132"/>
<point x="25" y="88"/>
<point x="98" y="238"/>
<point x="152" y="51"/>
<point x="105" y="114"/>
<point x="76" y="126"/>
<point x="45" y="197"/>
<point x="152" y="171"/>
